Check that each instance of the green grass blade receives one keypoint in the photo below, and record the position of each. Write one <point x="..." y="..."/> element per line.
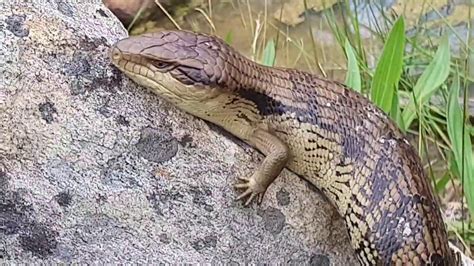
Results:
<point x="229" y="37"/>
<point x="389" y="68"/>
<point x="268" y="57"/>
<point x="395" y="109"/>
<point x="429" y="82"/>
<point x="442" y="183"/>
<point x="353" y="72"/>
<point x="461" y="144"/>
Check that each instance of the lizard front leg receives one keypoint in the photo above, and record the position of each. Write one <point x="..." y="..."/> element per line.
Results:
<point x="277" y="154"/>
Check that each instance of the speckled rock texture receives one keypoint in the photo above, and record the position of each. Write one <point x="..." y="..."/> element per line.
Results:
<point x="94" y="169"/>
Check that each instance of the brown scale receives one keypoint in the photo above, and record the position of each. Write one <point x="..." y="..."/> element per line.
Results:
<point x="330" y="135"/>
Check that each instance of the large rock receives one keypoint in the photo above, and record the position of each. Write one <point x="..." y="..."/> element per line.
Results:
<point x="96" y="169"/>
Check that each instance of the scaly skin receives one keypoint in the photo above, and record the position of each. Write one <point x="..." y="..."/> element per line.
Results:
<point x="329" y="135"/>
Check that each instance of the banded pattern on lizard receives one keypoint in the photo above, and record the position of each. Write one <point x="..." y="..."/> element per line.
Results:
<point x="326" y="133"/>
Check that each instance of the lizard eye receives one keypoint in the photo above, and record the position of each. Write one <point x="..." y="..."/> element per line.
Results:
<point x="160" y="64"/>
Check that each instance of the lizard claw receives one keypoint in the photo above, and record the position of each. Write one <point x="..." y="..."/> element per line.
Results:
<point x="252" y="190"/>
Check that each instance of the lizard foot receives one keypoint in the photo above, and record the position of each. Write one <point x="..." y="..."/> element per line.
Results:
<point x="252" y="190"/>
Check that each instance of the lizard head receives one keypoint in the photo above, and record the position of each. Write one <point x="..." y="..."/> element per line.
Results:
<point x="176" y="65"/>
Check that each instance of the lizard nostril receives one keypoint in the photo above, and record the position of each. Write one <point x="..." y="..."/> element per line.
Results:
<point x="115" y="54"/>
